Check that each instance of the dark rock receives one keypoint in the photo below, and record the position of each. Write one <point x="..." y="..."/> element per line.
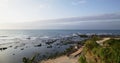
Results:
<point x="1" y="49"/>
<point x="83" y="36"/>
<point x="49" y="46"/>
<point x="4" y="48"/>
<point x="22" y="49"/>
<point x="38" y="45"/>
<point x="15" y="47"/>
<point x="10" y="46"/>
<point x="28" y="38"/>
<point x="50" y="42"/>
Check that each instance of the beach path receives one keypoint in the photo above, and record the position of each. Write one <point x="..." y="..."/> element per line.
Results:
<point x="77" y="52"/>
<point x="62" y="59"/>
<point x="103" y="40"/>
<point x="73" y="58"/>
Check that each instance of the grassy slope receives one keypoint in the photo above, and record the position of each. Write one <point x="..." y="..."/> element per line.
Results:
<point x="94" y="53"/>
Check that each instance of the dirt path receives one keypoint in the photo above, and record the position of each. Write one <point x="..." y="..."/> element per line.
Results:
<point x="62" y="59"/>
<point x="73" y="58"/>
<point x="103" y="40"/>
<point x="77" y="52"/>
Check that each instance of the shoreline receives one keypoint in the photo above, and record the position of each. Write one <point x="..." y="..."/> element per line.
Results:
<point x="73" y="57"/>
<point x="67" y="58"/>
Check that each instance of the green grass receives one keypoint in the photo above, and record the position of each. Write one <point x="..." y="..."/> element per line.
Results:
<point x="108" y="53"/>
<point x="82" y="59"/>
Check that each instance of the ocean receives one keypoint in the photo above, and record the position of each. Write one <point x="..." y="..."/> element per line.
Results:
<point x="25" y="43"/>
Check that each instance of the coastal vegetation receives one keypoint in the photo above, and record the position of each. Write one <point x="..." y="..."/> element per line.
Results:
<point x="109" y="52"/>
<point x="30" y="60"/>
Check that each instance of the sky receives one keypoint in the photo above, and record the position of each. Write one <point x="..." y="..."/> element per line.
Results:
<point x="60" y="14"/>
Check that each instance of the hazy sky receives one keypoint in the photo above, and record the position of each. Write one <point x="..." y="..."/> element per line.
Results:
<point x="59" y="14"/>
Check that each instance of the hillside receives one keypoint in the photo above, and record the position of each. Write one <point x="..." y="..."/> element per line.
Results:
<point x="107" y="52"/>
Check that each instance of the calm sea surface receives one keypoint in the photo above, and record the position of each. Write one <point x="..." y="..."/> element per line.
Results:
<point x="22" y="43"/>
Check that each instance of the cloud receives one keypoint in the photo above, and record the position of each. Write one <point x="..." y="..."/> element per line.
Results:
<point x="111" y="16"/>
<point x="88" y="21"/>
<point x="77" y="2"/>
<point x="103" y="21"/>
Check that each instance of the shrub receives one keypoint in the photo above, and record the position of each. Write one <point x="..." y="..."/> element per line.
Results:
<point x="108" y="53"/>
<point x="82" y="59"/>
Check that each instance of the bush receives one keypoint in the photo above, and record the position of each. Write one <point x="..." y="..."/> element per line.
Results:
<point x="90" y="44"/>
<point x="108" y="53"/>
<point x="30" y="60"/>
<point x="82" y="59"/>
